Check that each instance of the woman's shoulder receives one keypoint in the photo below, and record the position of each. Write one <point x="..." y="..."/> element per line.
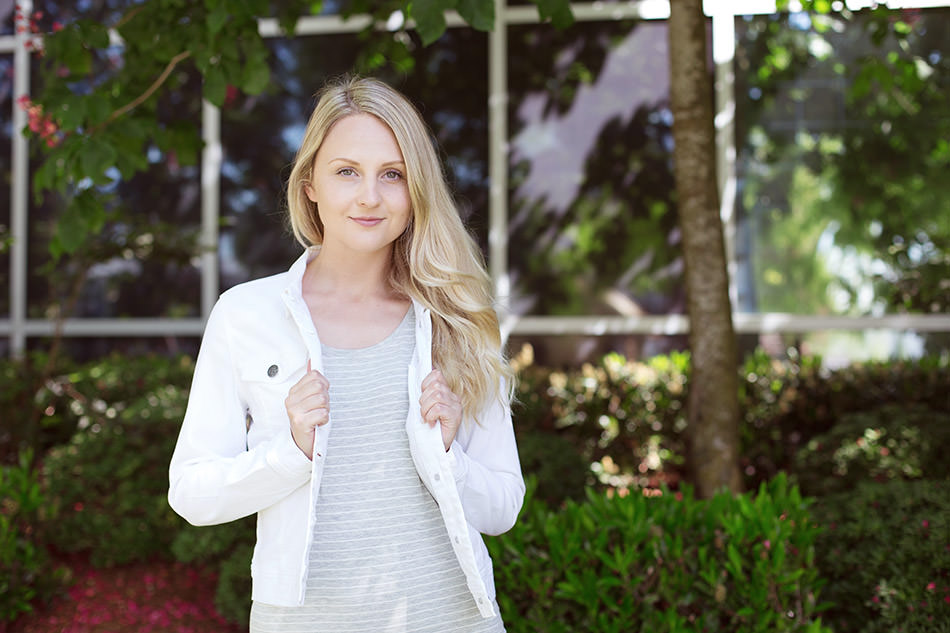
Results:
<point x="262" y="288"/>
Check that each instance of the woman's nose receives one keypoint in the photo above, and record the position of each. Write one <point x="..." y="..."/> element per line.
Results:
<point x="369" y="194"/>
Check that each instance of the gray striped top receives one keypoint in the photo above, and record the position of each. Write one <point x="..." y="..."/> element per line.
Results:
<point x="381" y="561"/>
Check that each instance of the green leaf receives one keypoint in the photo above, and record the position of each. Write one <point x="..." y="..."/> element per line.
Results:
<point x="95" y="34"/>
<point x="215" y="86"/>
<point x="430" y="18"/>
<point x="480" y="14"/>
<point x="95" y="156"/>
<point x="255" y="76"/>
<point x="71" y="229"/>
<point x="98" y="108"/>
<point x="217" y="18"/>
<point x="558" y="11"/>
<point x="71" y="112"/>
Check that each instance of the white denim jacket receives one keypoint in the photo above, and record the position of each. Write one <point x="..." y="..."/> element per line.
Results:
<point x="235" y="454"/>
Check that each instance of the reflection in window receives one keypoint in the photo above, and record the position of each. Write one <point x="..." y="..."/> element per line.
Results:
<point x="143" y="264"/>
<point x="46" y="12"/>
<point x="6" y="18"/>
<point x="261" y="134"/>
<point x="591" y="214"/>
<point x="839" y="348"/>
<point x="844" y="202"/>
<point x="6" y="141"/>
<point x="560" y="350"/>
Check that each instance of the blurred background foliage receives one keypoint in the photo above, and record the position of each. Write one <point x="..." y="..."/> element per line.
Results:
<point x="844" y="134"/>
<point x="598" y="443"/>
<point x="842" y="137"/>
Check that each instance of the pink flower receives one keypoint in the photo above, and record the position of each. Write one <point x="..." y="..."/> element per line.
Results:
<point x="57" y="26"/>
<point x="931" y="586"/>
<point x="925" y="523"/>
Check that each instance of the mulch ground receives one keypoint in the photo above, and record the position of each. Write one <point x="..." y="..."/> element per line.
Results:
<point x="159" y="597"/>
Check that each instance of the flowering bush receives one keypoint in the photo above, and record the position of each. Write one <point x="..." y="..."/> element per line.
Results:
<point x="107" y="486"/>
<point x="897" y="441"/>
<point x="886" y="557"/>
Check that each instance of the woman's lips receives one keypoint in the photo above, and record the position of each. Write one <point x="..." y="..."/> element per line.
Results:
<point x="367" y="221"/>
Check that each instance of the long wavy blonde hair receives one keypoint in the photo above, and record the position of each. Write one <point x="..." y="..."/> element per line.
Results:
<point x="435" y="261"/>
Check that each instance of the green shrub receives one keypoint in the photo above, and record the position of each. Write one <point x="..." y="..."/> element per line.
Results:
<point x="886" y="557"/>
<point x="227" y="547"/>
<point x="108" y="486"/>
<point x="628" y="419"/>
<point x="24" y="397"/>
<point x="623" y="417"/>
<point x="893" y="442"/>
<point x="25" y="570"/>
<point x="671" y="563"/>
<point x="787" y="403"/>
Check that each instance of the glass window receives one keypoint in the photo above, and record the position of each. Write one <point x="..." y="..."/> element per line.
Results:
<point x="46" y="12"/>
<point x="561" y="350"/>
<point x="844" y="200"/>
<point x="592" y="223"/>
<point x="6" y="175"/>
<point x="7" y="18"/>
<point x="82" y="349"/>
<point x="839" y="348"/>
<point x="143" y="264"/>
<point x="260" y="135"/>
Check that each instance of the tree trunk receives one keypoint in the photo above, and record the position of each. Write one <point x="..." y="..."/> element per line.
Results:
<point x="713" y="406"/>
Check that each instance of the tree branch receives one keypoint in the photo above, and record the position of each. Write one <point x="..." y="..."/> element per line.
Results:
<point x="125" y="18"/>
<point x="148" y="92"/>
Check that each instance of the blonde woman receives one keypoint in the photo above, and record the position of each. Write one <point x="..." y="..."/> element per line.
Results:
<point x="359" y="402"/>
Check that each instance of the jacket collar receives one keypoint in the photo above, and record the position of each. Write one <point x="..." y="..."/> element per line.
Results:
<point x="293" y="299"/>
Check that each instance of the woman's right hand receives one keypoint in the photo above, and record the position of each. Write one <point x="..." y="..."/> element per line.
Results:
<point x="308" y="406"/>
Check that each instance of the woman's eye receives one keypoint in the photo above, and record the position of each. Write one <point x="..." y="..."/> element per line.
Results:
<point x="393" y="174"/>
<point x="346" y="171"/>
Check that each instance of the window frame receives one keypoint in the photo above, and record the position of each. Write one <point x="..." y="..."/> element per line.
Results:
<point x="17" y="328"/>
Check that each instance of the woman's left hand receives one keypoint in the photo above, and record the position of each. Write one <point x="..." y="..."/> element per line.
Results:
<point x="440" y="405"/>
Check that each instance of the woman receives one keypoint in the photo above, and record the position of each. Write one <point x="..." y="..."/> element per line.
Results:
<point x="359" y="402"/>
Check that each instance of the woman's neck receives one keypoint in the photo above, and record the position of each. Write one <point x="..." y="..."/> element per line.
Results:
<point x="349" y="276"/>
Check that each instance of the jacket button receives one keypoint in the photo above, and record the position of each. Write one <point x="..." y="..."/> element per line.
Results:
<point x="436" y="477"/>
<point x="272" y="370"/>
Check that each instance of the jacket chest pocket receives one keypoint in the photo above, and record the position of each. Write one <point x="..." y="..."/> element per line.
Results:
<point x="266" y="382"/>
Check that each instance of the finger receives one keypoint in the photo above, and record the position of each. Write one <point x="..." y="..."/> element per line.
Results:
<point x="435" y="376"/>
<point x="310" y="382"/>
<point x="306" y="421"/>
<point x="314" y="401"/>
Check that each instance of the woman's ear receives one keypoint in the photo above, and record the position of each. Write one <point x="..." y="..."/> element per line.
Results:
<point x="311" y="193"/>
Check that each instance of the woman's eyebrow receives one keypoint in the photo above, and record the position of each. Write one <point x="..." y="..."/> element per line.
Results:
<point x="353" y="161"/>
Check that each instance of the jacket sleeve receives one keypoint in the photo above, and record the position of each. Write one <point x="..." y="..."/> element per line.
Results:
<point x="213" y="476"/>
<point x="484" y="459"/>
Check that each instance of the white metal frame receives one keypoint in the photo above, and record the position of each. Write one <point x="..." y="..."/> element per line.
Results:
<point x="17" y="328"/>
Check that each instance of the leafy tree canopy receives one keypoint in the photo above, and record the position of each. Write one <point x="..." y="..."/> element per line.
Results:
<point x="101" y="82"/>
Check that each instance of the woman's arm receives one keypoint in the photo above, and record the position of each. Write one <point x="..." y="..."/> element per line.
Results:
<point x="213" y="476"/>
<point x="484" y="458"/>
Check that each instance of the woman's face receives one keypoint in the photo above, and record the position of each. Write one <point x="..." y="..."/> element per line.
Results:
<point x="359" y="186"/>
